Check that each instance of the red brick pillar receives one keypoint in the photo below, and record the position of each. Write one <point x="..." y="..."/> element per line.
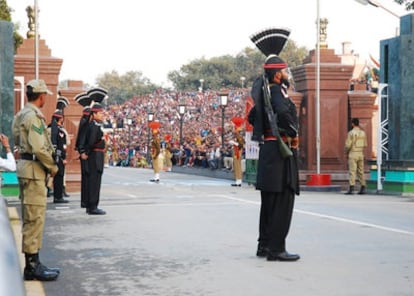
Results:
<point x="362" y="103"/>
<point x="49" y="70"/>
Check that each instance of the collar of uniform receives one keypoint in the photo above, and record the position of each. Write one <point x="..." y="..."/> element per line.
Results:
<point x="36" y="110"/>
<point x="97" y="123"/>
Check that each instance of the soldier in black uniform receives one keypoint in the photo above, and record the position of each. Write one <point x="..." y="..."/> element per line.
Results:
<point x="277" y="176"/>
<point x="80" y="147"/>
<point x="58" y="138"/>
<point x="95" y="151"/>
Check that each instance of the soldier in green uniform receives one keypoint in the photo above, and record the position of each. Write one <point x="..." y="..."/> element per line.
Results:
<point x="356" y="142"/>
<point x="35" y="163"/>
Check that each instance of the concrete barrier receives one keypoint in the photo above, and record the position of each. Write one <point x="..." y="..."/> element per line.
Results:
<point x="11" y="280"/>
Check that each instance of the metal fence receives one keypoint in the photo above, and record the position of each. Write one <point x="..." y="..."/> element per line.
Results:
<point x="11" y="280"/>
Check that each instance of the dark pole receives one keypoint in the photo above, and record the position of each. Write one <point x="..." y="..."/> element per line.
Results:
<point x="149" y="146"/>
<point x="181" y="129"/>
<point x="129" y="136"/>
<point x="222" y="127"/>
<point x="221" y="160"/>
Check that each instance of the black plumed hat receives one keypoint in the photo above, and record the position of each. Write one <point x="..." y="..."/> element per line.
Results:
<point x="83" y="99"/>
<point x="96" y="107"/>
<point x="62" y="103"/>
<point x="271" y="42"/>
<point x="58" y="113"/>
<point x="97" y="94"/>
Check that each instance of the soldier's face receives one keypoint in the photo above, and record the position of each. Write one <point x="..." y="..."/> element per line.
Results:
<point x="285" y="74"/>
<point x="99" y="116"/>
<point x="42" y="99"/>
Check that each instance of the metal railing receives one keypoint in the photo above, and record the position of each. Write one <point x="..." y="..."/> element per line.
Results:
<point x="11" y="279"/>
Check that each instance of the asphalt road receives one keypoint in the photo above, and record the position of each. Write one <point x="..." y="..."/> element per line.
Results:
<point x="191" y="235"/>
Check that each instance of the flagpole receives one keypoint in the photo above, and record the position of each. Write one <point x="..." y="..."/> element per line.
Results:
<point x="36" y="40"/>
<point x="318" y="68"/>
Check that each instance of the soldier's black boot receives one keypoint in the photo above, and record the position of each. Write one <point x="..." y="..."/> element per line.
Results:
<point x="362" y="190"/>
<point x="65" y="193"/>
<point x="34" y="270"/>
<point x="49" y="192"/>
<point x="350" y="191"/>
<point x="60" y="200"/>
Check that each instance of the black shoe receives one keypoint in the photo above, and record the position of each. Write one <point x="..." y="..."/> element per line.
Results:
<point x="60" y="200"/>
<point x="262" y="252"/>
<point x="49" y="193"/>
<point x="350" y="190"/>
<point x="40" y="273"/>
<point x="51" y="269"/>
<point x="362" y="190"/>
<point x="65" y="194"/>
<point x="282" y="256"/>
<point x="96" y="212"/>
<point x="236" y="185"/>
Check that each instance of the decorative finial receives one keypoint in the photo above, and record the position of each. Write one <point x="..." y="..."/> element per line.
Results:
<point x="31" y="24"/>
<point x="323" y="33"/>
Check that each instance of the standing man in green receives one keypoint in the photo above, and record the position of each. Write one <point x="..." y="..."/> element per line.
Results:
<point x="35" y="163"/>
<point x="355" y="144"/>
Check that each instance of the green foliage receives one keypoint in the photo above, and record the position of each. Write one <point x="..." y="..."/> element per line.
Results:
<point x="227" y="71"/>
<point x="5" y="14"/>
<point x="409" y="5"/>
<point x="124" y="87"/>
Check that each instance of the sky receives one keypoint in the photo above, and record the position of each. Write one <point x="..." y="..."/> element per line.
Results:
<point x="156" y="37"/>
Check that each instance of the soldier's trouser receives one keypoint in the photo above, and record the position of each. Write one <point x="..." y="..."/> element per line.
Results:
<point x="58" y="182"/>
<point x="356" y="168"/>
<point x="237" y="167"/>
<point x="33" y="199"/>
<point x="275" y="217"/>
<point x="84" y="183"/>
<point x="157" y="164"/>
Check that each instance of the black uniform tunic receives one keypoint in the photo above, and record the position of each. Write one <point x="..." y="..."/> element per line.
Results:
<point x="80" y="146"/>
<point x="59" y="142"/>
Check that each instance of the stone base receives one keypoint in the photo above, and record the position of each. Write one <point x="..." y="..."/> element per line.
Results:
<point x="397" y="178"/>
<point x="322" y="188"/>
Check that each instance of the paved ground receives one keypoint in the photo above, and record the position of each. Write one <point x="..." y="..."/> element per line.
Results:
<point x="192" y="235"/>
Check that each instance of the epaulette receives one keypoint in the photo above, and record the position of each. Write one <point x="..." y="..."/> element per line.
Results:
<point x="40" y="116"/>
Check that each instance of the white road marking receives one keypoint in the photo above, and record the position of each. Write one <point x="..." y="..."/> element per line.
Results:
<point x="340" y="219"/>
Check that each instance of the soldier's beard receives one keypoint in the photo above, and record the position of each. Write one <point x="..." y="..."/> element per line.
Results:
<point x="285" y="82"/>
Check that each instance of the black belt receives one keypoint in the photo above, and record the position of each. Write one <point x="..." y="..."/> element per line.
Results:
<point x="28" y="156"/>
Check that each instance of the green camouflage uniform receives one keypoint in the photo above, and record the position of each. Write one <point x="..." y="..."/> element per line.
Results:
<point x="355" y="144"/>
<point x="30" y="135"/>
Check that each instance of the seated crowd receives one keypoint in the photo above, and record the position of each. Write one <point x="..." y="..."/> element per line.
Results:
<point x="201" y="142"/>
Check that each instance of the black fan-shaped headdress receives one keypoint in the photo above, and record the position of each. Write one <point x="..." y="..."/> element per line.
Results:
<point x="270" y="41"/>
<point x="97" y="94"/>
<point x="62" y="103"/>
<point x="83" y="99"/>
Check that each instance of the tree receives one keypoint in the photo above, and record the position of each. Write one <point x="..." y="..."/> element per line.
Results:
<point x="124" y="87"/>
<point x="409" y="5"/>
<point x="5" y="14"/>
<point x="226" y="71"/>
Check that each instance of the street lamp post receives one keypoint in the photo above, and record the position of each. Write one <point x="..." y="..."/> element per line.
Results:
<point x="223" y="104"/>
<point x="201" y="84"/>
<point x="150" y="119"/>
<point x="181" y="111"/>
<point x="129" y="123"/>
<point x="377" y="4"/>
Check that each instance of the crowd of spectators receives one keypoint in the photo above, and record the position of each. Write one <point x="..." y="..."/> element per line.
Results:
<point x="128" y="134"/>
